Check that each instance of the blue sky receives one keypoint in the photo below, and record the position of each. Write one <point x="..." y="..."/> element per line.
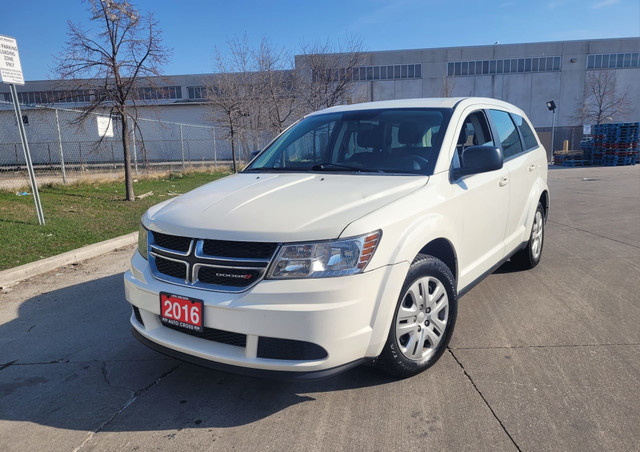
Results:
<point x="193" y="28"/>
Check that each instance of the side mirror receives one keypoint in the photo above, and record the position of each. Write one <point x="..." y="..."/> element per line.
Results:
<point x="479" y="159"/>
<point x="254" y="153"/>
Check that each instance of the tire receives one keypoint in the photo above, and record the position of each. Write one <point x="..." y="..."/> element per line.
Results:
<point x="416" y="342"/>
<point x="530" y="255"/>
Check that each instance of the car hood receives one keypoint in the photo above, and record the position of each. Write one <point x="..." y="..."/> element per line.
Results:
<point x="279" y="207"/>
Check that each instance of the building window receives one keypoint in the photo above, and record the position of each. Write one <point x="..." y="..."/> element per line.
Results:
<point x="168" y="92"/>
<point x="508" y="66"/>
<point x="613" y="60"/>
<point x="88" y="95"/>
<point x="52" y="97"/>
<point x="197" y="92"/>
<point x="368" y="73"/>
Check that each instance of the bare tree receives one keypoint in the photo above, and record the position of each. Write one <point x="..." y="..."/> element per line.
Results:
<point x="277" y="85"/>
<point x="120" y="48"/>
<point x="230" y="90"/>
<point x="328" y="72"/>
<point x="255" y="94"/>
<point x="601" y="102"/>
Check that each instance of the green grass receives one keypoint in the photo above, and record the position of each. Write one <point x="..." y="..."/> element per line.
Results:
<point x="80" y="214"/>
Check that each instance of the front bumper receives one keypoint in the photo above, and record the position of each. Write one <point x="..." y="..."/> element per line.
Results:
<point x="348" y="317"/>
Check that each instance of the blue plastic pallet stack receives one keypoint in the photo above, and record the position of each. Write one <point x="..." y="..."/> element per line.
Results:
<point x="587" y="148"/>
<point x="571" y="158"/>
<point x="616" y="144"/>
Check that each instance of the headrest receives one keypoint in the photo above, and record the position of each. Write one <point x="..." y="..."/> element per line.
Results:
<point x="408" y="133"/>
<point x="370" y="137"/>
<point x="462" y="139"/>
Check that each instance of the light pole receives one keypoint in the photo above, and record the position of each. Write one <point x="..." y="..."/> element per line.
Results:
<point x="551" y="105"/>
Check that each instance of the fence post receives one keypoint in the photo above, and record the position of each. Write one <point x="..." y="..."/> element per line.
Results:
<point x="64" y="172"/>
<point x="113" y="157"/>
<point x="135" y="153"/>
<point x="189" y="158"/>
<point x="182" y="146"/>
<point x="215" y="150"/>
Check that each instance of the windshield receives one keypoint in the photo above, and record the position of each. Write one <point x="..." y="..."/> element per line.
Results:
<point x="405" y="141"/>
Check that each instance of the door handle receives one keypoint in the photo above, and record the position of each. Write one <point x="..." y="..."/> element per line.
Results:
<point x="504" y="181"/>
<point x="532" y="167"/>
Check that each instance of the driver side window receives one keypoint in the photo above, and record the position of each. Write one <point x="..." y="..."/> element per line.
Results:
<point x="475" y="131"/>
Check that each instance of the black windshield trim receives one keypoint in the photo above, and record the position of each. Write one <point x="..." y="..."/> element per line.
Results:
<point x="328" y="166"/>
<point x="346" y="115"/>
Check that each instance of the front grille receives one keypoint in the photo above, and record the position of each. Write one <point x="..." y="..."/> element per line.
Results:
<point x="214" y="335"/>
<point x="172" y="242"/>
<point x="208" y="264"/>
<point x="171" y="268"/>
<point x="239" y="250"/>
<point x="228" y="276"/>
<point x="136" y="313"/>
<point x="274" y="348"/>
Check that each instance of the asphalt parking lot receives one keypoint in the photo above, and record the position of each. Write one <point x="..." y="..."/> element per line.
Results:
<point x="542" y="360"/>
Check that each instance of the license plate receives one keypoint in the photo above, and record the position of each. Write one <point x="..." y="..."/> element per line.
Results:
<point x="181" y="311"/>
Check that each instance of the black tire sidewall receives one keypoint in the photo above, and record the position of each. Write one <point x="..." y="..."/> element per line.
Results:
<point x="394" y="361"/>
<point x="532" y="258"/>
<point x="524" y="259"/>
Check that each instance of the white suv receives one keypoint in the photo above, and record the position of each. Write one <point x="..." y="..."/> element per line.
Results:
<point x="349" y="239"/>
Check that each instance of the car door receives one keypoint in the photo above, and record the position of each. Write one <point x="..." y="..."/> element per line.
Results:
<point x="522" y="167"/>
<point x="481" y="202"/>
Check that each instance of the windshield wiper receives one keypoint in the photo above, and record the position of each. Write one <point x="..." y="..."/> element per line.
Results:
<point x="318" y="167"/>
<point x="270" y="169"/>
<point x="337" y="166"/>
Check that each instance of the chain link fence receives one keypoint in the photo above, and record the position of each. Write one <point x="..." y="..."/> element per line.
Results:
<point x="65" y="147"/>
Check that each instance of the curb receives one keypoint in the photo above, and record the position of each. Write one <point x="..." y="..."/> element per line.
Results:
<point x="14" y="275"/>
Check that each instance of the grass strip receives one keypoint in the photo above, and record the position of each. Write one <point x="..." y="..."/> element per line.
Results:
<point x="80" y="214"/>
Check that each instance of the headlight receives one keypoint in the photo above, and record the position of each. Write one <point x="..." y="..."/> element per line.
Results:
<point x="142" y="242"/>
<point x="325" y="259"/>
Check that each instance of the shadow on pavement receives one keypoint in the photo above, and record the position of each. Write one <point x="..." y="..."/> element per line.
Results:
<point x="68" y="360"/>
<point x="507" y="267"/>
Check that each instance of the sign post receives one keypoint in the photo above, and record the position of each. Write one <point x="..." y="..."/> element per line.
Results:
<point x="11" y="73"/>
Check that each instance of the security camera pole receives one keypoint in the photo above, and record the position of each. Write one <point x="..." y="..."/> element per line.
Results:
<point x="11" y="74"/>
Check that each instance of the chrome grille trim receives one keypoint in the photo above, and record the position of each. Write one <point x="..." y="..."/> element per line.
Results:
<point x="195" y="259"/>
<point x="199" y="252"/>
<point x="164" y="277"/>
<point x="169" y="251"/>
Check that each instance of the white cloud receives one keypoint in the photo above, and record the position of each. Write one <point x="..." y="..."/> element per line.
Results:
<point x="605" y="3"/>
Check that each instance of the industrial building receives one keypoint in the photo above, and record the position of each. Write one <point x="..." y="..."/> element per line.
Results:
<point x="527" y="75"/>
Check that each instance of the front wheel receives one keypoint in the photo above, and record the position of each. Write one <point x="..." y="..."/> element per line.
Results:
<point x="424" y="319"/>
<point x="530" y="255"/>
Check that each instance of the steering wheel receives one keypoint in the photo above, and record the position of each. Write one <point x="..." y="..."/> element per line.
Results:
<point x="413" y="160"/>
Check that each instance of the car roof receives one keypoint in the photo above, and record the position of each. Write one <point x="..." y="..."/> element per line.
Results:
<point x="433" y="102"/>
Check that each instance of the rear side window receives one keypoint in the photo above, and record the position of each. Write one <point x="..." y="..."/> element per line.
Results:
<point x="507" y="133"/>
<point x="528" y="136"/>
